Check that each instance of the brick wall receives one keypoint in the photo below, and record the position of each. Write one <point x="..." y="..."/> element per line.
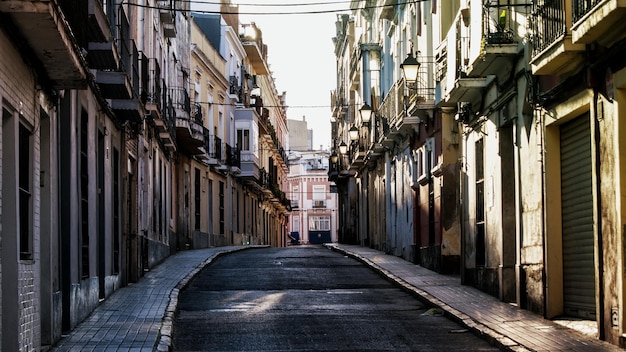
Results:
<point x="18" y="94"/>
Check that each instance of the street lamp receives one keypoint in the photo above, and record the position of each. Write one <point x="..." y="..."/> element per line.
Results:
<point x="366" y="112"/>
<point x="410" y="67"/>
<point x="343" y="147"/>
<point x="354" y="133"/>
<point x="334" y="157"/>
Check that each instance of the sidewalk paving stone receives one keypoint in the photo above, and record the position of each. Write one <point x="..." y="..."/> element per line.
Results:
<point x="505" y="325"/>
<point x="138" y="317"/>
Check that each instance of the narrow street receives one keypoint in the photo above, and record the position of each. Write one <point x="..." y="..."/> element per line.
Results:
<point x="307" y="298"/>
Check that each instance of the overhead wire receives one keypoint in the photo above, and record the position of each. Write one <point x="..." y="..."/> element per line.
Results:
<point x="277" y="106"/>
<point x="312" y="12"/>
<point x="272" y="4"/>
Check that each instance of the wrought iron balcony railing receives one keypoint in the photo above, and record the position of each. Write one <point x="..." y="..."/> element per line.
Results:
<point x="582" y="7"/>
<point x="197" y="113"/>
<point x="392" y="106"/>
<point x="547" y="23"/>
<point x="233" y="156"/>
<point x="216" y="148"/>
<point x="498" y="24"/>
<point x="180" y="99"/>
<point x="151" y="91"/>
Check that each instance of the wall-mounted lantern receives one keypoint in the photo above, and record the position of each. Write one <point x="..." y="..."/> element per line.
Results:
<point x="366" y="113"/>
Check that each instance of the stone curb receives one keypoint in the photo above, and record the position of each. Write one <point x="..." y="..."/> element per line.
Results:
<point x="164" y="338"/>
<point x="496" y="339"/>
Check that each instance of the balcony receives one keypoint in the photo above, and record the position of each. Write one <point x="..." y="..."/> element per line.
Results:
<point x="251" y="173"/>
<point x="42" y="26"/>
<point x="255" y="49"/>
<point x="169" y="30"/>
<point x="420" y="100"/>
<point x="234" y="90"/>
<point x="213" y="146"/>
<point x="248" y="119"/>
<point x="121" y="87"/>
<point x="189" y="123"/>
<point x="453" y="83"/>
<point x="553" y="51"/>
<point x="250" y="166"/>
<point x="164" y="122"/>
<point x="167" y="15"/>
<point x="151" y="87"/>
<point x="165" y="127"/>
<point x="466" y="89"/>
<point x="102" y="51"/>
<point x="499" y="44"/>
<point x="339" y="104"/>
<point x="355" y="67"/>
<point x="265" y="125"/>
<point x="233" y="159"/>
<point x="599" y="21"/>
<point x="392" y="109"/>
<point x="166" y="11"/>
<point x="358" y="152"/>
<point x="319" y="204"/>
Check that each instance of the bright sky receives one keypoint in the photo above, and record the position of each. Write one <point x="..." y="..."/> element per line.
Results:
<point x="300" y="55"/>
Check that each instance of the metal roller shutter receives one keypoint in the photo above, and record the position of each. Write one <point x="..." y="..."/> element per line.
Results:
<point x="577" y="212"/>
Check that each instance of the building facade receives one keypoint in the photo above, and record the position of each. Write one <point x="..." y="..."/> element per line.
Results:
<point x="119" y="148"/>
<point x="313" y="219"/>
<point x="398" y="146"/>
<point x="261" y="135"/>
<point x="501" y="160"/>
<point x="577" y="59"/>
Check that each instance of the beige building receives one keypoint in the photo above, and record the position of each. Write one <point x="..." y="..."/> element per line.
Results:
<point x="261" y="132"/>
<point x="206" y="168"/>
<point x="117" y="152"/>
<point x="579" y="63"/>
<point x="519" y="156"/>
<point x="397" y="165"/>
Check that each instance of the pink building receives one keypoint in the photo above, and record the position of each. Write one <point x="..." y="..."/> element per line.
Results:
<point x="314" y="205"/>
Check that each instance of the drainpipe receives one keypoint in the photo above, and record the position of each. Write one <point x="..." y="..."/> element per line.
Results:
<point x="462" y="206"/>
<point x="367" y="79"/>
<point x="141" y="19"/>
<point x="519" y="216"/>
<point x="598" y="115"/>
<point x="544" y="282"/>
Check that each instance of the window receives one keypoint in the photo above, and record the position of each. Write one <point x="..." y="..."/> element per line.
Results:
<point x="210" y="210"/>
<point x="84" y="193"/>
<point x="210" y="109"/>
<point x="155" y="214"/>
<point x="419" y="163"/>
<point x="116" y="211"/>
<point x="480" y="204"/>
<point x="319" y="192"/>
<point x="295" y="197"/>
<point x="319" y="223"/>
<point x="26" y="242"/>
<point x="429" y="155"/>
<point x="221" y="210"/>
<point x="196" y="199"/>
<point x="319" y="196"/>
<point x="243" y="140"/>
<point x="319" y="204"/>
<point x="162" y="202"/>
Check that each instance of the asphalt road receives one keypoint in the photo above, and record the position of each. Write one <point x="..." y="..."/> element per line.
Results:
<point x="307" y="298"/>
